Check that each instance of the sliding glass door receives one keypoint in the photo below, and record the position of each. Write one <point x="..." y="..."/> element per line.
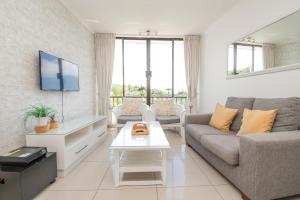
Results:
<point x="149" y="69"/>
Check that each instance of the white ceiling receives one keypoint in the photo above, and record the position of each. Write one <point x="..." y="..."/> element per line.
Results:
<point x="166" y="17"/>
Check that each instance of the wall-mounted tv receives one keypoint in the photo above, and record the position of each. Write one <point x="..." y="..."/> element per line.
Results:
<point x="50" y="71"/>
<point x="70" y="76"/>
<point x="57" y="73"/>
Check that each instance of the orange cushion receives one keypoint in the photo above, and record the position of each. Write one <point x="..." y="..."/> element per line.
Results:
<point x="222" y="117"/>
<point x="257" y="121"/>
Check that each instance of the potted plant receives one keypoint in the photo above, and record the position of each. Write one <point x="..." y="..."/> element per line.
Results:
<point x="53" y="121"/>
<point x="41" y="115"/>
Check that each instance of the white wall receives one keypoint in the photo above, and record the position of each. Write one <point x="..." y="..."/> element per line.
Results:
<point x="27" y="26"/>
<point x="246" y="17"/>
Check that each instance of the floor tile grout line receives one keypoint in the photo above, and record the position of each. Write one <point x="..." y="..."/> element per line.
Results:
<point x="107" y="169"/>
<point x="215" y="188"/>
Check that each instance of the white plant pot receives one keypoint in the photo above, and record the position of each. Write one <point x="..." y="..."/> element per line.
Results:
<point x="43" y="121"/>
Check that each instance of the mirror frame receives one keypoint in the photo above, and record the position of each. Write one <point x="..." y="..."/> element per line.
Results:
<point x="265" y="71"/>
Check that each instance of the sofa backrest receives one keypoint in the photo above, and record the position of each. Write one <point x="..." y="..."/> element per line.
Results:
<point x="287" y="118"/>
<point x="241" y="104"/>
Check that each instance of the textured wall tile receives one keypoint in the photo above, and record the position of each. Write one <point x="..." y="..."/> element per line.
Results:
<point x="27" y="26"/>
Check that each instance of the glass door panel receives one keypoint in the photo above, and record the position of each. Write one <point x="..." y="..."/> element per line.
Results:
<point x="161" y="67"/>
<point x="179" y="70"/>
<point x="135" y="59"/>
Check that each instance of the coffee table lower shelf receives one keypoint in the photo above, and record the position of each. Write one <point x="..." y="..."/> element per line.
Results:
<point x="140" y="167"/>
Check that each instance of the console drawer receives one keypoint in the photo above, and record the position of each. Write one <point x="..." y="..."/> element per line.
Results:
<point x="74" y="153"/>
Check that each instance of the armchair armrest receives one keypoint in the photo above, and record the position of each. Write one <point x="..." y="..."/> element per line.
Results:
<point x="270" y="162"/>
<point x="148" y="116"/>
<point x="117" y="110"/>
<point x="198" y="119"/>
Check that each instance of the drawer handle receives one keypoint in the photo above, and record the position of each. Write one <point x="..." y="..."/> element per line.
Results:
<point x="99" y="135"/>
<point x="77" y="152"/>
<point x="2" y="181"/>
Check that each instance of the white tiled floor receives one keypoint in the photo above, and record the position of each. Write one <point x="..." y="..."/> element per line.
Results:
<point x="189" y="177"/>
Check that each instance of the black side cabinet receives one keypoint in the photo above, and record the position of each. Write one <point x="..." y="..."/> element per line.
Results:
<point x="24" y="183"/>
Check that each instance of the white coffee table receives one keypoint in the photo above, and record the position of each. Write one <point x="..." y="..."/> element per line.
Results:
<point x="135" y="154"/>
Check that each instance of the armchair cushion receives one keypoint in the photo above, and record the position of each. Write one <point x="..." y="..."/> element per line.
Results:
<point x="132" y="106"/>
<point x="225" y="147"/>
<point x="122" y="119"/>
<point x="168" y="119"/>
<point x="165" y="107"/>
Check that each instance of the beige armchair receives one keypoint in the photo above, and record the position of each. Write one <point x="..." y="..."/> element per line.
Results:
<point x="168" y="114"/>
<point x="130" y="110"/>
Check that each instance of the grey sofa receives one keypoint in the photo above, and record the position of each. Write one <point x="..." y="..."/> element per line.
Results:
<point x="261" y="166"/>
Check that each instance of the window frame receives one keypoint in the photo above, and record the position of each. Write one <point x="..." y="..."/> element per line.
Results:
<point x="235" y="56"/>
<point x="148" y="66"/>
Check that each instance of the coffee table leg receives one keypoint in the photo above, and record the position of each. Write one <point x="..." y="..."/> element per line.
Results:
<point x="117" y="167"/>
<point x="164" y="166"/>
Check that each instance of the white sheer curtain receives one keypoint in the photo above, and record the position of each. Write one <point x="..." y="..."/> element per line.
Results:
<point x="192" y="67"/>
<point x="104" y="50"/>
<point x="268" y="55"/>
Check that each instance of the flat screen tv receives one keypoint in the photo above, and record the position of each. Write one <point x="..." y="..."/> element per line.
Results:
<point x="50" y="70"/>
<point x="57" y="74"/>
<point x="70" y="76"/>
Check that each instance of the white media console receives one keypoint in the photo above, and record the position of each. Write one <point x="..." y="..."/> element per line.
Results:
<point x="72" y="140"/>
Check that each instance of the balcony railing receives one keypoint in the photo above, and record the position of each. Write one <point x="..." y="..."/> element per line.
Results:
<point x="117" y="100"/>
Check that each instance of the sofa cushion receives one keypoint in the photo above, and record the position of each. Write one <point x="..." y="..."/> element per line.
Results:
<point x="197" y="131"/>
<point x="287" y="115"/>
<point x="122" y="119"/>
<point x="168" y="119"/>
<point x="241" y="104"/>
<point x="225" y="147"/>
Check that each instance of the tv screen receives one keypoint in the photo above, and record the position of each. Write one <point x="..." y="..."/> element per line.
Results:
<point x="70" y="76"/>
<point x="49" y="72"/>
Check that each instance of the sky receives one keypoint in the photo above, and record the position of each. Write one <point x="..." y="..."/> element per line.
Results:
<point x="161" y="64"/>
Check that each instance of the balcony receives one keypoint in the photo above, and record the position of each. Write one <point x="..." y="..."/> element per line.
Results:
<point x="117" y="100"/>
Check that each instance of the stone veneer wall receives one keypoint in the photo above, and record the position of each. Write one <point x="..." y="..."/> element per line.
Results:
<point x="27" y="26"/>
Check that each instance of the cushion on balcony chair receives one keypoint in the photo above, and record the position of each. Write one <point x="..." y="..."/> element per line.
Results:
<point x="165" y="107"/>
<point x="132" y="106"/>
<point x="122" y="119"/>
<point x="168" y="119"/>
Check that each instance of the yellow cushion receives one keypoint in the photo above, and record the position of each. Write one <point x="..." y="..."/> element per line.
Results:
<point x="222" y="117"/>
<point x="257" y="121"/>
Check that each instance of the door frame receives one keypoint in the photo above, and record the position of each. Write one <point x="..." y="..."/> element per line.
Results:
<point x="148" y="62"/>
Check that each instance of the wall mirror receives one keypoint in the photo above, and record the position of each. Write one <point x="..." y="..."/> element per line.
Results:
<point x="275" y="47"/>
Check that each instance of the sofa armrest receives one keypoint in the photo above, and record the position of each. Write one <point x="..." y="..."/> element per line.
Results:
<point x="197" y="118"/>
<point x="270" y="162"/>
